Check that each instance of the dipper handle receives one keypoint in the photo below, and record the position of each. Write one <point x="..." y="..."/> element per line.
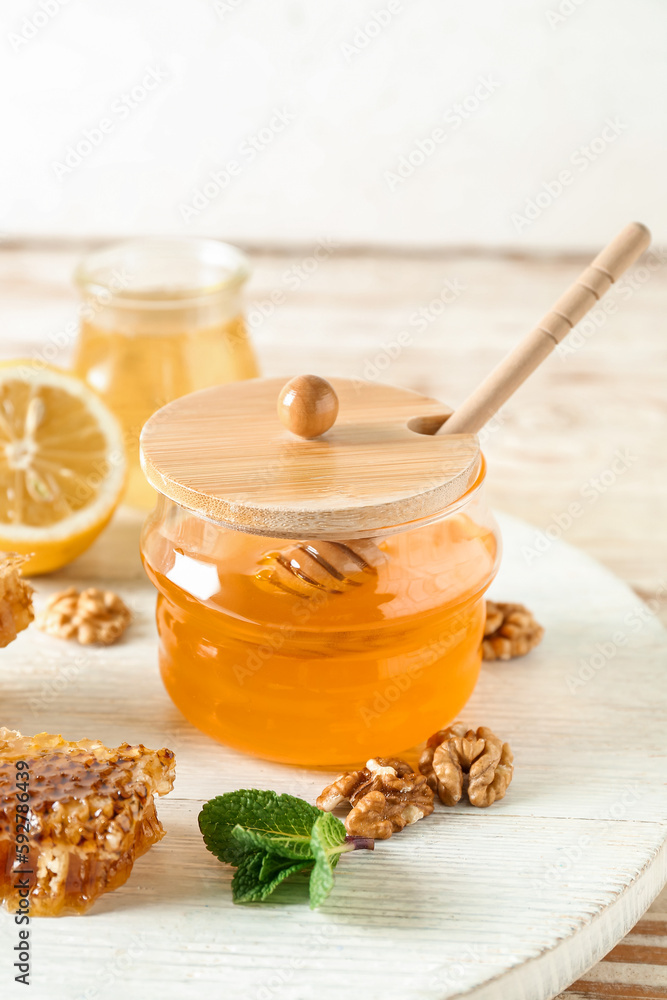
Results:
<point x="572" y="306"/>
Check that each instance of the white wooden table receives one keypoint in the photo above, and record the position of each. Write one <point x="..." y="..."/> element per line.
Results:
<point x="560" y="432"/>
<point x="514" y="901"/>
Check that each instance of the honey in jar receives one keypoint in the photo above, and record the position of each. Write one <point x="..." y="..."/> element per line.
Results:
<point x="320" y="601"/>
<point x="160" y="318"/>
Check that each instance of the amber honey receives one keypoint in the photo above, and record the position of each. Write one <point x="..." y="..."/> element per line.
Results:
<point x="160" y="319"/>
<point x="327" y="678"/>
<point x="136" y="374"/>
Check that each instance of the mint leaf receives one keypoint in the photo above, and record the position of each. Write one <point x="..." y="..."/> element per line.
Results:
<point x="272" y="865"/>
<point x="248" y="885"/>
<point x="263" y="813"/>
<point x="328" y="835"/>
<point x="285" y="845"/>
<point x="327" y="839"/>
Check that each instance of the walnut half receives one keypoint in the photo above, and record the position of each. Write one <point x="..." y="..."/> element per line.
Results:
<point x="510" y="630"/>
<point x="385" y="796"/>
<point x="458" y="760"/>
<point x="92" y="616"/>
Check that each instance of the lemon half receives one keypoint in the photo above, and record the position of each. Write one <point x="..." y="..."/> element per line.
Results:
<point x="62" y="464"/>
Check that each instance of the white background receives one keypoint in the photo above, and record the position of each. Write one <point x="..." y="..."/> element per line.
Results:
<point x="360" y="99"/>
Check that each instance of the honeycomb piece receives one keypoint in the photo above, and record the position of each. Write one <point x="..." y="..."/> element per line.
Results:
<point x="16" y="611"/>
<point x="89" y="812"/>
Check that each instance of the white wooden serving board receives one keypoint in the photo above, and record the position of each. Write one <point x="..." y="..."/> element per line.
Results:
<point x="515" y="901"/>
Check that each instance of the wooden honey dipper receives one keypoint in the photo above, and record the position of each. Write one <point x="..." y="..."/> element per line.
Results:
<point x="308" y="406"/>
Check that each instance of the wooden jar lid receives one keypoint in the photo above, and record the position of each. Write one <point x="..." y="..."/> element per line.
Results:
<point x="224" y="454"/>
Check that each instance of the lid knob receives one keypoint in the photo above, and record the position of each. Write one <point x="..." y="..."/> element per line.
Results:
<point x="308" y="405"/>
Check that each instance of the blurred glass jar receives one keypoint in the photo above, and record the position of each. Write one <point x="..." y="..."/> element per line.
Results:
<point x="161" y="317"/>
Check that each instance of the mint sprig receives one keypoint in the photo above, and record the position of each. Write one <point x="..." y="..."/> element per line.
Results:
<point x="325" y="846"/>
<point x="248" y="885"/>
<point x="268" y="837"/>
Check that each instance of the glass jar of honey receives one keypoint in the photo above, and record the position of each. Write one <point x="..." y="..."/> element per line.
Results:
<point x="161" y="317"/>
<point x="320" y="599"/>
